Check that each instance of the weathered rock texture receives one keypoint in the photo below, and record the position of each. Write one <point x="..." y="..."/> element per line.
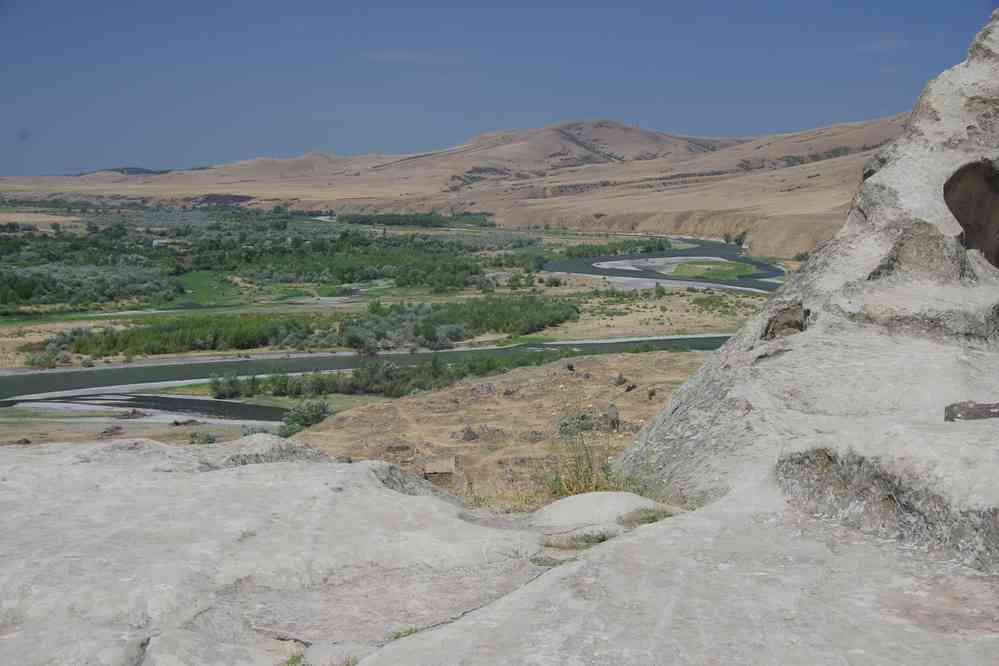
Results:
<point x="891" y="321"/>
<point x="836" y="517"/>
<point x="135" y="552"/>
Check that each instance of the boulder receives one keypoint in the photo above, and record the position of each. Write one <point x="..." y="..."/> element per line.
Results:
<point x="128" y="552"/>
<point x="592" y="511"/>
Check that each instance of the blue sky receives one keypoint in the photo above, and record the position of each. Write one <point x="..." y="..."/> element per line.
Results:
<point x="85" y="85"/>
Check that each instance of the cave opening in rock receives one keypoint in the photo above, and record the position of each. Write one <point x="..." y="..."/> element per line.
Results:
<point x="972" y="194"/>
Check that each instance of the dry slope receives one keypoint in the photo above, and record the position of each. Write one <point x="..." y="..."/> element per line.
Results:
<point x="789" y="190"/>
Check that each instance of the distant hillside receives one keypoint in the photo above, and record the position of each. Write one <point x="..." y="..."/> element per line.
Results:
<point x="788" y="190"/>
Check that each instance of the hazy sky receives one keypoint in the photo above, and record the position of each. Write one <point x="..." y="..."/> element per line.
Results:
<point x="85" y="85"/>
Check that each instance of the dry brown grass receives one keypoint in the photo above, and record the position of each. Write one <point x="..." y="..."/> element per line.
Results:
<point x="75" y="428"/>
<point x="675" y="313"/>
<point x="42" y="221"/>
<point x="679" y="190"/>
<point x="517" y="449"/>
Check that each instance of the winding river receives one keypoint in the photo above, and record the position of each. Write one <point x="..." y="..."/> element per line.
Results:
<point x="762" y="280"/>
<point x="117" y="385"/>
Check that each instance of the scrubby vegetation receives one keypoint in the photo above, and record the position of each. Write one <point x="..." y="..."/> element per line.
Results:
<point x="580" y="541"/>
<point x="178" y="334"/>
<point x="162" y="255"/>
<point x="384" y="378"/>
<point x="627" y="246"/>
<point x="436" y="326"/>
<point x="584" y="468"/>
<point x="646" y="516"/>
<point x="143" y="255"/>
<point x="304" y="415"/>
<point x="433" y="220"/>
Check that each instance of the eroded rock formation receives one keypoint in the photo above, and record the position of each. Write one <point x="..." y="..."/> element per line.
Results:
<point x="902" y="315"/>
<point x="836" y="517"/>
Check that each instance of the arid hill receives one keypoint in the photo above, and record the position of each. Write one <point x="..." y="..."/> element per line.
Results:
<point x="837" y="474"/>
<point x="789" y="190"/>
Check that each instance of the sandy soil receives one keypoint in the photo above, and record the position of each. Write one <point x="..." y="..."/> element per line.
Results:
<point x="677" y="313"/>
<point x="61" y="427"/>
<point x="42" y="221"/>
<point x="14" y="337"/>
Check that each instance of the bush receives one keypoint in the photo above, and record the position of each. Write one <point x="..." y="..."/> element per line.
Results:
<point x="583" y="468"/>
<point x="201" y="437"/>
<point x="279" y="385"/>
<point x="303" y="415"/>
<point x="227" y="387"/>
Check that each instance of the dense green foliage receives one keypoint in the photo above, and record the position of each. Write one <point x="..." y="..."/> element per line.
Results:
<point x="303" y="415"/>
<point x="626" y="246"/>
<point x="381" y="377"/>
<point x="143" y="255"/>
<point x="439" y="325"/>
<point x="436" y="326"/>
<point x="163" y="256"/>
<point x="432" y="220"/>
<point x="59" y="283"/>
<point x="174" y="335"/>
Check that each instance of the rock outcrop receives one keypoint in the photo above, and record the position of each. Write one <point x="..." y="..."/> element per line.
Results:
<point x="134" y="552"/>
<point x="857" y="356"/>
<point x="249" y="553"/>
<point x="835" y="516"/>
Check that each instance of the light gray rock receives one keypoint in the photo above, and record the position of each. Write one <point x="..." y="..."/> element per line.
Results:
<point x="743" y="581"/>
<point x="337" y="654"/>
<point x="887" y="323"/>
<point x="598" y="511"/>
<point x="835" y="517"/>
<point x="118" y="552"/>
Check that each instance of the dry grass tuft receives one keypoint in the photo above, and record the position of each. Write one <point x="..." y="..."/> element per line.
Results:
<point x="638" y="517"/>
<point x="576" y="541"/>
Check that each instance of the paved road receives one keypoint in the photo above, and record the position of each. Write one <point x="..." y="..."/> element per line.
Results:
<point x="758" y="281"/>
<point x="52" y="385"/>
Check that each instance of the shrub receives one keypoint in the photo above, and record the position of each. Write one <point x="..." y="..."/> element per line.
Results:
<point x="303" y="415"/>
<point x="583" y="468"/>
<point x="201" y="437"/>
<point x="279" y="385"/>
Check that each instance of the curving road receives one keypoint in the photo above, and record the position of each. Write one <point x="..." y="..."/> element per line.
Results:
<point x="105" y="384"/>
<point x="57" y="385"/>
<point x="758" y="281"/>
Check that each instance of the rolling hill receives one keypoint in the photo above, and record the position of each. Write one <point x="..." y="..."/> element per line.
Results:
<point x="788" y="190"/>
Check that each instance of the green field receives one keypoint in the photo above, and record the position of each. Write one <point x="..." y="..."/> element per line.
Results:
<point x="714" y="270"/>
<point x="206" y="288"/>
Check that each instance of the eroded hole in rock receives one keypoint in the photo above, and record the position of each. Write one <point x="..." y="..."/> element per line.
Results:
<point x="791" y="319"/>
<point x="972" y="194"/>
